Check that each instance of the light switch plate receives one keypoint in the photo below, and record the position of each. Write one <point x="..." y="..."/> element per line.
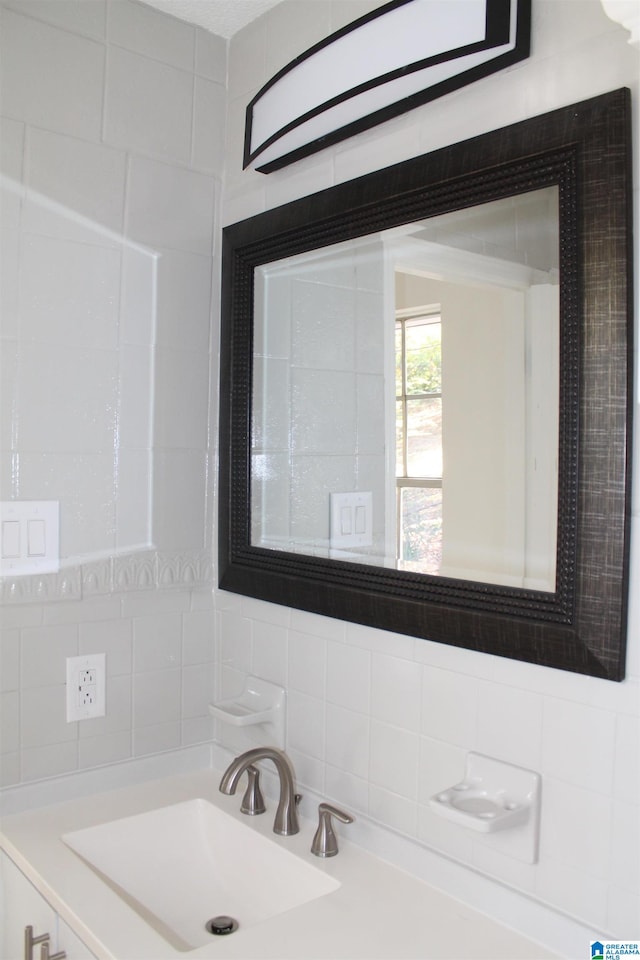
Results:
<point x="351" y="519"/>
<point x="29" y="537"/>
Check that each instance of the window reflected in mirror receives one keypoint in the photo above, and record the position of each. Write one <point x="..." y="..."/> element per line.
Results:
<point x="418" y="355"/>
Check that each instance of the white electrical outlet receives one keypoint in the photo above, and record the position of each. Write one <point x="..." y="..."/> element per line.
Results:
<point x="86" y="687"/>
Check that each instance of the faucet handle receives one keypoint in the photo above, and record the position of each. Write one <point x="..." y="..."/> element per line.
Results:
<point x="325" y="842"/>
<point x="253" y="801"/>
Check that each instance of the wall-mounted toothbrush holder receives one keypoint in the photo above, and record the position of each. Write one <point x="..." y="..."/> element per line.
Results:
<point x="496" y="797"/>
<point x="260" y="702"/>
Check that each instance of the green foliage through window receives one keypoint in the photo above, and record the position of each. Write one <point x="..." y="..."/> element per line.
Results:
<point x="419" y="441"/>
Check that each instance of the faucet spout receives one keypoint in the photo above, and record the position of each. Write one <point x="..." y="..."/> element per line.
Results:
<point x="286" y="819"/>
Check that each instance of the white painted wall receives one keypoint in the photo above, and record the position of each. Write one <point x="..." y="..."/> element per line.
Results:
<point x="379" y="721"/>
<point x="483" y="428"/>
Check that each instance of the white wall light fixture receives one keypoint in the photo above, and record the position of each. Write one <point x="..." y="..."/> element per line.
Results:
<point x="402" y="55"/>
<point x="626" y="13"/>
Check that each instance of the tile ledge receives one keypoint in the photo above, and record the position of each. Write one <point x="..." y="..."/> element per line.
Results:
<point x="146" y="570"/>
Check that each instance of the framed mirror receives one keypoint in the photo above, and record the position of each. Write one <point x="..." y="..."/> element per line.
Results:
<point x="426" y="388"/>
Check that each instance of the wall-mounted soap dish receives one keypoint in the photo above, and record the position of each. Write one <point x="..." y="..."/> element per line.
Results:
<point x="495" y="797"/>
<point x="259" y="702"/>
<point x="474" y="807"/>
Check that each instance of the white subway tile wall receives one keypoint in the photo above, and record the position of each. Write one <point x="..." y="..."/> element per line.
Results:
<point x="112" y="153"/>
<point x="160" y="680"/>
<point x="393" y="730"/>
<point x="110" y="201"/>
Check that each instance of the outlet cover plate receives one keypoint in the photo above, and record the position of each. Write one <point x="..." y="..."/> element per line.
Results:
<point x="86" y="687"/>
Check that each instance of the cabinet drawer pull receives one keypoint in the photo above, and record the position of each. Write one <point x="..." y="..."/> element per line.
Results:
<point x="30" y="941"/>
<point x="45" y="955"/>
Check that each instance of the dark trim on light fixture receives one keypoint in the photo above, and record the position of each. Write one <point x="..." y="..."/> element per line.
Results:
<point x="498" y="29"/>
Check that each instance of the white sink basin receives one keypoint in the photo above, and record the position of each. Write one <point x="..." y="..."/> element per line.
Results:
<point x="182" y="865"/>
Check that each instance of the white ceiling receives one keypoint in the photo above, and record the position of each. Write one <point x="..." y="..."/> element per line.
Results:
<point x="222" y="17"/>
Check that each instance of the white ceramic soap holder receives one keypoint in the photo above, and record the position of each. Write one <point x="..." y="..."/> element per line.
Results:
<point x="495" y="797"/>
<point x="260" y="702"/>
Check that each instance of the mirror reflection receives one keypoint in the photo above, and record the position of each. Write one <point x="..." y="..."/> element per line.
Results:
<point x="405" y="397"/>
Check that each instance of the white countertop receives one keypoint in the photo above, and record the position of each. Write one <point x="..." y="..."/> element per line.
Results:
<point x="378" y="913"/>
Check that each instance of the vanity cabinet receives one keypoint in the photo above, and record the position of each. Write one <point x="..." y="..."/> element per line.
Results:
<point x="21" y="905"/>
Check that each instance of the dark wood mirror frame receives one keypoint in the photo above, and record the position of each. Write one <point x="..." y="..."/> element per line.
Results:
<point x="584" y="149"/>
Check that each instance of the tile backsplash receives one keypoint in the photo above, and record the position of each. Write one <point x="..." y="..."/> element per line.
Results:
<point x="379" y="722"/>
<point x="160" y="652"/>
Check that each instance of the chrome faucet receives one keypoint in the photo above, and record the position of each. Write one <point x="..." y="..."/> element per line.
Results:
<point x="286" y="819"/>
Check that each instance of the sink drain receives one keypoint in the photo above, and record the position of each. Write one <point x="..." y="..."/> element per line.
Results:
<point x="221" y="926"/>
